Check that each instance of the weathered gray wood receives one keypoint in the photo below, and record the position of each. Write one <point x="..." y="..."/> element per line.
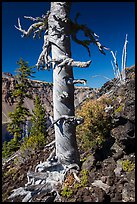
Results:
<point x="59" y="34"/>
<point x="16" y="192"/>
<point x="124" y="58"/>
<point x="120" y="74"/>
<point x="38" y="175"/>
<point x="57" y="26"/>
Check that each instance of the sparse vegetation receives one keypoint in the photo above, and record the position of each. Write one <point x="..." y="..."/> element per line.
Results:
<point x="70" y="187"/>
<point x="67" y="192"/>
<point x="119" y="109"/>
<point x="12" y="170"/>
<point x="84" y="179"/>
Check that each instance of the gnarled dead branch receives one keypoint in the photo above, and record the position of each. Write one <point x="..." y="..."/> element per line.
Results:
<point x="70" y="62"/>
<point x="67" y="118"/>
<point x="37" y="27"/>
<point x="44" y="59"/>
<point x="93" y="37"/>
<point x="76" y="81"/>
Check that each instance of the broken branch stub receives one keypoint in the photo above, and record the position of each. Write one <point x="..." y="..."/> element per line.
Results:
<point x="67" y="118"/>
<point x="76" y="81"/>
<point x="70" y="62"/>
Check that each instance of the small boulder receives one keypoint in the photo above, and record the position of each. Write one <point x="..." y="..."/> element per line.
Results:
<point x="89" y="163"/>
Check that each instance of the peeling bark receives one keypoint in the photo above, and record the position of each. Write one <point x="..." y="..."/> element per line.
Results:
<point x="57" y="26"/>
<point x="65" y="133"/>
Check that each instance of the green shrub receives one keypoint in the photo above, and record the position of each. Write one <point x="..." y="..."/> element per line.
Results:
<point x="127" y="165"/>
<point x="83" y="180"/>
<point x="97" y="123"/>
<point x="119" y="109"/>
<point x="67" y="192"/>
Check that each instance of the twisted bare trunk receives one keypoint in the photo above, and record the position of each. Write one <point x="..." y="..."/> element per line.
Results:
<point x="58" y="27"/>
<point x="63" y="92"/>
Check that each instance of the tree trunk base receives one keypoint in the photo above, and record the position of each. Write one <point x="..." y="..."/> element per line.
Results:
<point x="46" y="180"/>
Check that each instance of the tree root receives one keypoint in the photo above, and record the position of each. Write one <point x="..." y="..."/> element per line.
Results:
<point x="50" y="144"/>
<point x="51" y="156"/>
<point x="76" y="177"/>
<point x="47" y="178"/>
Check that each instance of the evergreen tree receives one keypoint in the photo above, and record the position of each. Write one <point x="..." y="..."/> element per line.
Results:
<point x="23" y="85"/>
<point x="21" y="113"/>
<point x="39" y="122"/>
<point x="38" y="118"/>
<point x="38" y="133"/>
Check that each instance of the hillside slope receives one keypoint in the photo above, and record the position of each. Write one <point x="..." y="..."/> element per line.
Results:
<point x="107" y="171"/>
<point x="43" y="89"/>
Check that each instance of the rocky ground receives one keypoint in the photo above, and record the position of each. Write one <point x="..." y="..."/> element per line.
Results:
<point x="107" y="174"/>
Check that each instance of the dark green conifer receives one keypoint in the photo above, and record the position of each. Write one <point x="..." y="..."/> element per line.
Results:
<point x="19" y="116"/>
<point x="39" y="130"/>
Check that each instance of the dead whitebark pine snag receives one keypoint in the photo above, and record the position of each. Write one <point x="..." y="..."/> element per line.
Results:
<point x="124" y="59"/>
<point x="56" y="51"/>
<point x="120" y="75"/>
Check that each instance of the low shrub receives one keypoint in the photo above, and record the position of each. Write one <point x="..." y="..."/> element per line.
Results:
<point x="127" y="165"/>
<point x="119" y="109"/>
<point x="97" y="123"/>
<point x="67" y="192"/>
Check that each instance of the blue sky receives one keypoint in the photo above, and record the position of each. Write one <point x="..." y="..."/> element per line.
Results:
<point x="110" y="20"/>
